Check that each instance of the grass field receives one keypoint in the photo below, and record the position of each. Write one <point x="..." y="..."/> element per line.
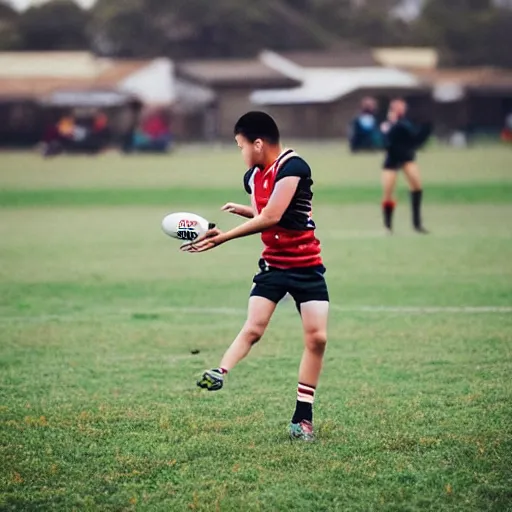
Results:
<point x="99" y="313"/>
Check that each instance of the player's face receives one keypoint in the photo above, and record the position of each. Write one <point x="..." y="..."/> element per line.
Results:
<point x="399" y="108"/>
<point x="251" y="151"/>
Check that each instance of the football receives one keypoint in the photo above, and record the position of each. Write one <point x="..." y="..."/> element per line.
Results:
<point x="184" y="226"/>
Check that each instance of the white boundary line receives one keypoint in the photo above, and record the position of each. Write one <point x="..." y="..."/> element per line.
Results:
<point x="394" y="310"/>
<point x="415" y="310"/>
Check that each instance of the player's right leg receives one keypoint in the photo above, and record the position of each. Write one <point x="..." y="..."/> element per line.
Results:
<point x="259" y="313"/>
<point x="389" y="177"/>
<point x="269" y="288"/>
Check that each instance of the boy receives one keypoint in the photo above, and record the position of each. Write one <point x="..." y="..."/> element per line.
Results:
<point x="402" y="141"/>
<point x="279" y="183"/>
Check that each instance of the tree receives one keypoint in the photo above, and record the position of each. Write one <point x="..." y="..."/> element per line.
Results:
<point x="367" y="22"/>
<point x="56" y="25"/>
<point x="196" y="28"/>
<point x="377" y="24"/>
<point x="467" y="32"/>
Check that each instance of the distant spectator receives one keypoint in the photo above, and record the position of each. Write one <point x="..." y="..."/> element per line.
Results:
<point x="51" y="142"/>
<point x="98" y="136"/>
<point x="66" y="127"/>
<point x="365" y="133"/>
<point x="129" y="127"/>
<point x="85" y="132"/>
<point x="154" y="134"/>
<point x="506" y="134"/>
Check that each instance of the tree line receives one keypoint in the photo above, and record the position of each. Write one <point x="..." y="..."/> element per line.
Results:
<point x="465" y="32"/>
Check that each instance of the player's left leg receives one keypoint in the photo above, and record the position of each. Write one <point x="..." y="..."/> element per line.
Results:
<point x="309" y="290"/>
<point x="314" y="320"/>
<point x="412" y="174"/>
<point x="389" y="177"/>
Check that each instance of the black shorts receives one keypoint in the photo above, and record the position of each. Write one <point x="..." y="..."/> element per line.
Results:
<point x="303" y="284"/>
<point x="395" y="161"/>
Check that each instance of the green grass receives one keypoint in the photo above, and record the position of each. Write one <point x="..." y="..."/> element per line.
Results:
<point x="99" y="314"/>
<point x="451" y="193"/>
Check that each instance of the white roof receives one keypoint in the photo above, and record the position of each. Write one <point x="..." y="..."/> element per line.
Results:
<point x="325" y="85"/>
<point x="154" y="84"/>
<point x="152" y="81"/>
<point x="191" y="97"/>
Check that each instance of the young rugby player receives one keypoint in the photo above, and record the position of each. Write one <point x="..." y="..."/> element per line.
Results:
<point x="279" y="183"/>
<point x="402" y="140"/>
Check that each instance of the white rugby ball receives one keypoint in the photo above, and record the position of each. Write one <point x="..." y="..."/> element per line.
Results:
<point x="185" y="226"/>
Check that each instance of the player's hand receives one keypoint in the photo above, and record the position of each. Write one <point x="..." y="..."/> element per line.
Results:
<point x="205" y="242"/>
<point x="234" y="208"/>
<point x="385" y="127"/>
<point x="239" y="209"/>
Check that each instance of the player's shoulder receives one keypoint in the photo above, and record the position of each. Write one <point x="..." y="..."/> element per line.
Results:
<point x="405" y="124"/>
<point x="249" y="179"/>
<point x="295" y="165"/>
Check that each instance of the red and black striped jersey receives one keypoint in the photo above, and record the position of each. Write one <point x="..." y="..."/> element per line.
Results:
<point x="292" y="242"/>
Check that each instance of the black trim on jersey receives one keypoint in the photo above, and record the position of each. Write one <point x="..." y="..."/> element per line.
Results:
<point x="247" y="179"/>
<point x="297" y="215"/>
<point x="295" y="166"/>
<point x="250" y="172"/>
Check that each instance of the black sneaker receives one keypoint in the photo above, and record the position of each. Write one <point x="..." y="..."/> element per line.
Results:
<point x="212" y="380"/>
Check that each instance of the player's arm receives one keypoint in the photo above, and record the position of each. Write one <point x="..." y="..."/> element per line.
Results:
<point x="239" y="209"/>
<point x="270" y="215"/>
<point x="279" y="201"/>
<point x="422" y="134"/>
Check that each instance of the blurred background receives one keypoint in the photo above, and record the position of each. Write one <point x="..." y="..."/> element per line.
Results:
<point x="105" y="324"/>
<point x="140" y="75"/>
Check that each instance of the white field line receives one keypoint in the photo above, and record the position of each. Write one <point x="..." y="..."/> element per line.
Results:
<point x="419" y="310"/>
<point x="394" y="310"/>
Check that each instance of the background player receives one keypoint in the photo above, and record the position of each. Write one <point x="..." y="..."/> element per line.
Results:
<point x="279" y="183"/>
<point x="402" y="139"/>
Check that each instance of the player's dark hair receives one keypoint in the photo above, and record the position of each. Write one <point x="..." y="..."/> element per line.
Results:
<point x="257" y="125"/>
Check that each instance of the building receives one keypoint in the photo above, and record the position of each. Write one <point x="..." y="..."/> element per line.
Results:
<point x="230" y="83"/>
<point x="37" y="87"/>
<point x="410" y="58"/>
<point x="474" y="100"/>
<point x="328" y="97"/>
<point x="312" y="94"/>
<point x="238" y="85"/>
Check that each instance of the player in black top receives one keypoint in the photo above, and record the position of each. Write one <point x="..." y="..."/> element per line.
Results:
<point x="402" y="139"/>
